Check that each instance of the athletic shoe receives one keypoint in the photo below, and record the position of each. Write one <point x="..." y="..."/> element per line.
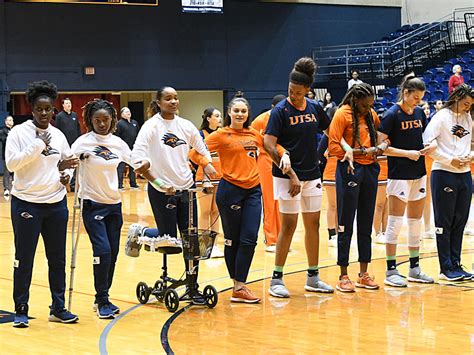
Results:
<point x="380" y="238"/>
<point x="135" y="188"/>
<point x="345" y="284"/>
<point x="21" y="316"/>
<point x="62" y="315"/>
<point x="416" y="275"/>
<point x="104" y="311"/>
<point x="429" y="235"/>
<point x="450" y="275"/>
<point x="132" y="247"/>
<point x="278" y="289"/>
<point x="394" y="279"/>
<point x="244" y="295"/>
<point x="466" y="275"/>
<point x="216" y="252"/>
<point x="113" y="307"/>
<point x="314" y="284"/>
<point x="332" y="242"/>
<point x="121" y="189"/>
<point x="469" y="231"/>
<point x="6" y="193"/>
<point x="271" y="248"/>
<point x="365" y="281"/>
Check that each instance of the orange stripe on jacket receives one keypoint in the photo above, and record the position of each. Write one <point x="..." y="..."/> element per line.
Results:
<point x="238" y="150"/>
<point x="216" y="163"/>
<point x="341" y="126"/>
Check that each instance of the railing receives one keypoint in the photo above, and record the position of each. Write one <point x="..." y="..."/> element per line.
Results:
<point x="394" y="56"/>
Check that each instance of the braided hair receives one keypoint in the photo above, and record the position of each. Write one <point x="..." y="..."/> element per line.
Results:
<point x="95" y="105"/>
<point x="459" y="93"/>
<point x="358" y="92"/>
<point x="39" y="89"/>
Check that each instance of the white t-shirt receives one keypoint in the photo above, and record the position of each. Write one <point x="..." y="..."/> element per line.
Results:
<point x="98" y="179"/>
<point x="35" y="166"/>
<point x="166" y="144"/>
<point x="353" y="82"/>
<point x="452" y="132"/>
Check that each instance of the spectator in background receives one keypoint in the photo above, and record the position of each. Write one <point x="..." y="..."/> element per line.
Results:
<point x="456" y="79"/>
<point x="437" y="106"/>
<point x="68" y="122"/>
<point x="354" y="79"/>
<point x="127" y="129"/>
<point x="426" y="109"/>
<point x="328" y="102"/>
<point x="310" y="94"/>
<point x="7" y="175"/>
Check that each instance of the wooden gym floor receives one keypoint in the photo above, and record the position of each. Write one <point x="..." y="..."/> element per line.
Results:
<point x="421" y="318"/>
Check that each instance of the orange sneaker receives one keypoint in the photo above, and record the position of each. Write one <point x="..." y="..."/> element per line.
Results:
<point x="345" y="284"/>
<point x="365" y="281"/>
<point x="244" y="295"/>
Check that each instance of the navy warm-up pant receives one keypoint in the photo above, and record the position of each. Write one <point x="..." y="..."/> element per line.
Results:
<point x="240" y="211"/>
<point x="103" y="223"/>
<point x="172" y="213"/>
<point x="451" y="194"/>
<point x="356" y="192"/>
<point x="29" y="220"/>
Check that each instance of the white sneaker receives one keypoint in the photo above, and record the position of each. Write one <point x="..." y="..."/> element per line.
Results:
<point x="429" y="235"/>
<point x="6" y="193"/>
<point x="270" y="248"/>
<point x="333" y="241"/>
<point x="468" y="231"/>
<point x="380" y="238"/>
<point x="216" y="252"/>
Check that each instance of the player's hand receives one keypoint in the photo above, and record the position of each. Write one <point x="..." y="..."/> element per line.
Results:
<point x="64" y="178"/>
<point x="413" y="155"/>
<point x="349" y="157"/>
<point x="68" y="163"/>
<point x="210" y="171"/>
<point x="295" y="185"/>
<point x="429" y="148"/>
<point x="143" y="167"/>
<point x="44" y="136"/>
<point x="285" y="163"/>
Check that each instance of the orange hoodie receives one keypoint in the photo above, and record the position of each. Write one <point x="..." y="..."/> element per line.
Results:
<point x="238" y="152"/>
<point x="341" y="126"/>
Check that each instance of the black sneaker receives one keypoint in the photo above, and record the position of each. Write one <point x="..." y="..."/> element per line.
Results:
<point x="466" y="275"/>
<point x="62" y="316"/>
<point x="21" y="316"/>
<point x="113" y="307"/>
<point x="105" y="312"/>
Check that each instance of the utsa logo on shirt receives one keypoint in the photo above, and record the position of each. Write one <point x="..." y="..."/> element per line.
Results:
<point x="172" y="140"/>
<point x="104" y="153"/>
<point x="49" y="151"/>
<point x="309" y="117"/>
<point x="411" y="124"/>
<point x="459" y="131"/>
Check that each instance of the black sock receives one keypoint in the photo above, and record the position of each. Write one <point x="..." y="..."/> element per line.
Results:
<point x="392" y="264"/>
<point x="414" y="262"/>
<point x="332" y="232"/>
<point x="313" y="272"/>
<point x="277" y="275"/>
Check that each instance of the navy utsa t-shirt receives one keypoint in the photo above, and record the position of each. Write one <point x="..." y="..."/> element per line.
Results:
<point x="297" y="132"/>
<point x="405" y="132"/>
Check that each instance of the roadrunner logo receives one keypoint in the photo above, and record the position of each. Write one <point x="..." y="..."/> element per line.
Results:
<point x="104" y="153"/>
<point x="172" y="140"/>
<point x="49" y="151"/>
<point x="352" y="184"/>
<point x="448" y="189"/>
<point x="459" y="131"/>
<point x="422" y="190"/>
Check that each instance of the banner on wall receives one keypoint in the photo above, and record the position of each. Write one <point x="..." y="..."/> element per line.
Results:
<point x="203" y="6"/>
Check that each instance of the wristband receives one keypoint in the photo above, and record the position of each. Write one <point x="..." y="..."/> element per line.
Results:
<point x="158" y="183"/>
<point x="346" y="147"/>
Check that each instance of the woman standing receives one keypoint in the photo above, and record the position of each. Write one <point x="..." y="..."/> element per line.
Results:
<point x="34" y="151"/>
<point x="162" y="148"/>
<point x="99" y="191"/>
<point x="456" y="79"/>
<point x="403" y="124"/>
<point x="208" y="212"/>
<point x="451" y="181"/>
<point x="355" y="122"/>
<point x="294" y="124"/>
<point x="239" y="194"/>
